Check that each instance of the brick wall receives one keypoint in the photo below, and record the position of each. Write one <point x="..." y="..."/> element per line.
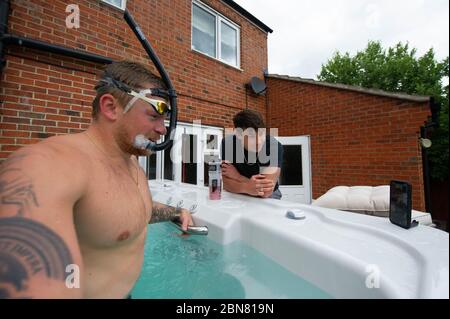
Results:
<point x="43" y="94"/>
<point x="356" y="138"/>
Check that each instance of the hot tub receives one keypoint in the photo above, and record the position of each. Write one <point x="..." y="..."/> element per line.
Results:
<point x="345" y="255"/>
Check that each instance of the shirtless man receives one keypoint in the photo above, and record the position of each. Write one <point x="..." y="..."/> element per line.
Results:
<point x="79" y="204"/>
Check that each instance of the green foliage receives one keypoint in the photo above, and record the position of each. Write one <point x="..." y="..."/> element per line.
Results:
<point x="398" y="69"/>
<point x="438" y="153"/>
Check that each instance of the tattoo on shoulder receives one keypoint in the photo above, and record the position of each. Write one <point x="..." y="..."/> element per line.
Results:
<point x="28" y="249"/>
<point x="164" y="214"/>
<point x="16" y="188"/>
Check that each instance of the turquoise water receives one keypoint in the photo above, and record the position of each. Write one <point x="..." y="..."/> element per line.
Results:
<point x="195" y="267"/>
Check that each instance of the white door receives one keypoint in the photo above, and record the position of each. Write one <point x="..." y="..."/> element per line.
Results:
<point x="295" y="177"/>
<point x="186" y="161"/>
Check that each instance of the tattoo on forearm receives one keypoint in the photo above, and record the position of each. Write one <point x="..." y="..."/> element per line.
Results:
<point x="164" y="214"/>
<point x="16" y="189"/>
<point x="28" y="249"/>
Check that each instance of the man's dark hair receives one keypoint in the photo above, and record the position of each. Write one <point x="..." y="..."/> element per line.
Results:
<point x="248" y="119"/>
<point x="130" y="73"/>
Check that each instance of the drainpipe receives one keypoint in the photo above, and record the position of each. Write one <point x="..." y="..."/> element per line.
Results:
<point x="57" y="49"/>
<point x="4" y="12"/>
<point x="426" y="170"/>
<point x="432" y="123"/>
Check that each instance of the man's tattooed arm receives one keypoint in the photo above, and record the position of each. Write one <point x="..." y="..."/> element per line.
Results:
<point x="33" y="257"/>
<point x="29" y="250"/>
<point x="17" y="195"/>
<point x="163" y="213"/>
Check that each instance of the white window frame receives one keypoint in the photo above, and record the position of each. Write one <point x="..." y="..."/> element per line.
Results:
<point x="122" y="7"/>
<point x="219" y="19"/>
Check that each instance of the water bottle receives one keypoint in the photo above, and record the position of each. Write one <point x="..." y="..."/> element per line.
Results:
<point x="215" y="180"/>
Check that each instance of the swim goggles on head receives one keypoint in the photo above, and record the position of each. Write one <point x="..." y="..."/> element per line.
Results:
<point x="160" y="106"/>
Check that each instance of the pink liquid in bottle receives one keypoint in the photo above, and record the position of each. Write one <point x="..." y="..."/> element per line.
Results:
<point x="215" y="190"/>
<point x="215" y="181"/>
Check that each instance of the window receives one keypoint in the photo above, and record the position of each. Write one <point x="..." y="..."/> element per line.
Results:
<point x="151" y="167"/>
<point x="121" y="4"/>
<point x="168" y="165"/>
<point x="204" y="31"/>
<point x="212" y="142"/>
<point x="291" y="169"/>
<point x="214" y="35"/>
<point x="189" y="159"/>
<point x="228" y="49"/>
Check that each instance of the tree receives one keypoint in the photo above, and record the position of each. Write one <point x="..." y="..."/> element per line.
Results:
<point x="398" y="69"/>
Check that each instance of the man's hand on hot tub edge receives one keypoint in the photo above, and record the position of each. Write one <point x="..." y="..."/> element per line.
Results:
<point x="164" y="213"/>
<point x="185" y="218"/>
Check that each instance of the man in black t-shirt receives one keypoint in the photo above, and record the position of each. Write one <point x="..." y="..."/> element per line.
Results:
<point x="251" y="160"/>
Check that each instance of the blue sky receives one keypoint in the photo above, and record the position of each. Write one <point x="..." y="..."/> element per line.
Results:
<point x="308" y="32"/>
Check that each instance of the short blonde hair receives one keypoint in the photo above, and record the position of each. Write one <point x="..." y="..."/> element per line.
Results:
<point x="132" y="74"/>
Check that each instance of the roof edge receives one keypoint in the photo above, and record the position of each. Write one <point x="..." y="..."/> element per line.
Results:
<point x="248" y="15"/>
<point x="401" y="96"/>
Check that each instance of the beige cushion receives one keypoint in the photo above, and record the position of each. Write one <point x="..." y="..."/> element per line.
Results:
<point x="359" y="199"/>
<point x="365" y="200"/>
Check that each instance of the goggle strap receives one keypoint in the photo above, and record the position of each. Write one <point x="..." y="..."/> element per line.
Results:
<point x="108" y="80"/>
<point x="132" y="101"/>
<point x="160" y="93"/>
<point x="140" y="95"/>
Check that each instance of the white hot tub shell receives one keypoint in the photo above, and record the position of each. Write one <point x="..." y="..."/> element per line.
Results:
<point x="347" y="255"/>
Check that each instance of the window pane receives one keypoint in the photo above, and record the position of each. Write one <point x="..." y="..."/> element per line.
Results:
<point x="291" y="171"/>
<point x="117" y="3"/>
<point x="168" y="165"/>
<point x="204" y="31"/>
<point x="189" y="159"/>
<point x="212" y="142"/>
<point x="151" y="167"/>
<point x="228" y="44"/>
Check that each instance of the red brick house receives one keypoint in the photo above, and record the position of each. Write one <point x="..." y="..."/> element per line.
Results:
<point x="211" y="49"/>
